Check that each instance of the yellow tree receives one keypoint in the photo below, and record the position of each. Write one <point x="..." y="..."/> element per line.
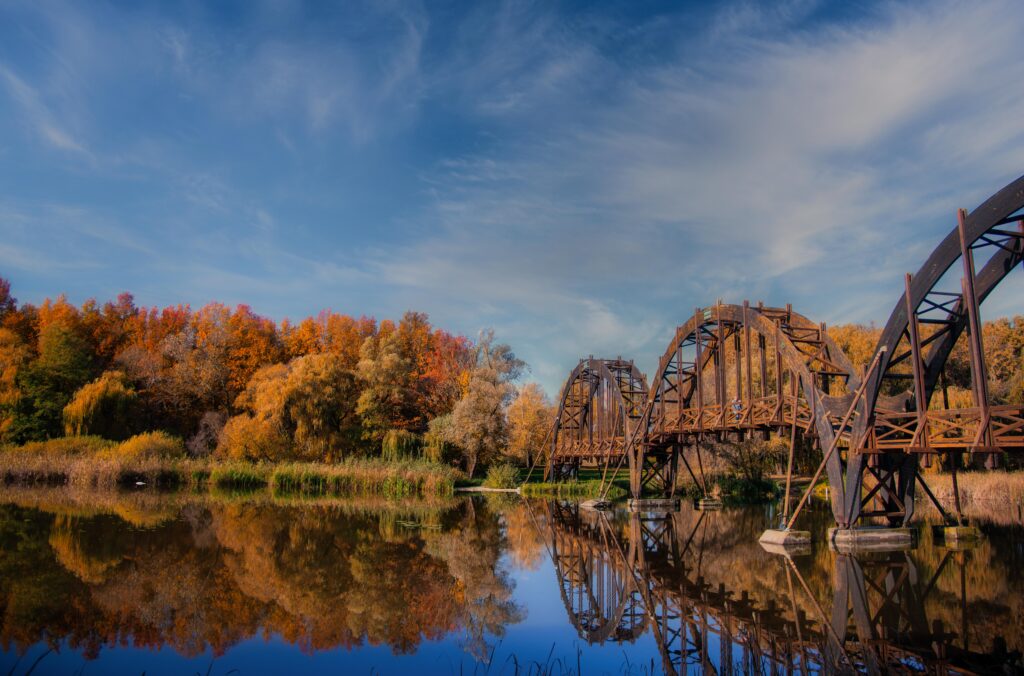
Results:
<point x="529" y="416"/>
<point x="14" y="354"/>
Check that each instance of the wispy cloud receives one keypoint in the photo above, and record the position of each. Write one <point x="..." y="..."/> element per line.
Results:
<point x="794" y="165"/>
<point x="37" y="115"/>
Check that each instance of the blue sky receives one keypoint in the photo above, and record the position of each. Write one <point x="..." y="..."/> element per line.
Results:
<point x="579" y="176"/>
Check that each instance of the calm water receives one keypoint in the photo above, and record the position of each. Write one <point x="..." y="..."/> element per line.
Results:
<point x="139" y="583"/>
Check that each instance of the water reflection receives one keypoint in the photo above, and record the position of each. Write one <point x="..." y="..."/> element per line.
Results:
<point x="319" y="577"/>
<point x="683" y="592"/>
<point x="714" y="602"/>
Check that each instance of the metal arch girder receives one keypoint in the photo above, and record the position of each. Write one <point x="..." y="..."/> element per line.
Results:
<point x="792" y="358"/>
<point x="599" y="372"/>
<point x="995" y="210"/>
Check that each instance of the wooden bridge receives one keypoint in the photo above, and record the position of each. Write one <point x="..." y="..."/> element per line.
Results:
<point x="733" y="372"/>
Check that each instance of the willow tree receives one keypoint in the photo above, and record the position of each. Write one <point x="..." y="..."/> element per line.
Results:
<point x="102" y="407"/>
<point x="479" y="426"/>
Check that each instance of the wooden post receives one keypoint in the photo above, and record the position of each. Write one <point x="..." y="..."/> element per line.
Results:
<point x="789" y="464"/>
<point x="979" y="379"/>
<point x="747" y="356"/>
<point x="920" y="437"/>
<point x="698" y="370"/>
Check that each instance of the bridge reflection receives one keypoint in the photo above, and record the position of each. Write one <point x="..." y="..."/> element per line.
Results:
<point x="713" y="603"/>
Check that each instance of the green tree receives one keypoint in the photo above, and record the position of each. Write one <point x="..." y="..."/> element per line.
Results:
<point x="65" y="363"/>
<point x="387" y="399"/>
<point x="8" y="303"/>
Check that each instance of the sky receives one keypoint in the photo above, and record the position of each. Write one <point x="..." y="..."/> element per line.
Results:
<point x="578" y="176"/>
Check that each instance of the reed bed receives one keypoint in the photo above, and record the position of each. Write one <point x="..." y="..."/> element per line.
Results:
<point x="389" y="479"/>
<point x="992" y="496"/>
<point x="156" y="462"/>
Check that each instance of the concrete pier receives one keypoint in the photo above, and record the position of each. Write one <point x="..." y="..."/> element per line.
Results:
<point x="654" y="504"/>
<point x="785" y="538"/>
<point x="870" y="539"/>
<point x="958" y="537"/>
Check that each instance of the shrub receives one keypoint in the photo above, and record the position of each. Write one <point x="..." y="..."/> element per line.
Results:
<point x="247" y="438"/>
<point x="503" y="475"/>
<point x="238" y="475"/>
<point x="572" y="489"/>
<point x="146" y="446"/>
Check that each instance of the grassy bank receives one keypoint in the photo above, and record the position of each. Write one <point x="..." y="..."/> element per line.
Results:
<point x="154" y="461"/>
<point x="588" y="489"/>
<point x="734" y="490"/>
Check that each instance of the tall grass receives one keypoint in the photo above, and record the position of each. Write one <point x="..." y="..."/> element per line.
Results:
<point x="158" y="460"/>
<point x="396" y="479"/>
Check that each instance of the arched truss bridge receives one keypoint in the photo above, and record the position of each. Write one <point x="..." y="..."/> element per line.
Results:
<point x="733" y="372"/>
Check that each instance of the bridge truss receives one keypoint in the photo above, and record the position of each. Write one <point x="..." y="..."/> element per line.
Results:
<point x="735" y="372"/>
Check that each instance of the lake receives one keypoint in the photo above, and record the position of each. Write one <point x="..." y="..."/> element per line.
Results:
<point x="131" y="583"/>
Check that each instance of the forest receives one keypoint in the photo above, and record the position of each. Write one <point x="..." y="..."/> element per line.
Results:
<point x="227" y="384"/>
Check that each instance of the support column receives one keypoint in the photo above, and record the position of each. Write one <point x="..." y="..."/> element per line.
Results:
<point x="979" y="375"/>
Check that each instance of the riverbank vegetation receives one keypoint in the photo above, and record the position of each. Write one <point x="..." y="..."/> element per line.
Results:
<point x="159" y="460"/>
<point x="114" y="393"/>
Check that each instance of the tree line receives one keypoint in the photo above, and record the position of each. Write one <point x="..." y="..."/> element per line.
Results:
<point x="237" y="385"/>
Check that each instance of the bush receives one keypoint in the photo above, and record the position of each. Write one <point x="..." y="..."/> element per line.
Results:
<point x="146" y="446"/>
<point x="239" y="475"/>
<point x="502" y="475"/>
<point x="247" y="438"/>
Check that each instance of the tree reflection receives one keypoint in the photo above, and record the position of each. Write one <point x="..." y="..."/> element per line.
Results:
<point x="318" y="576"/>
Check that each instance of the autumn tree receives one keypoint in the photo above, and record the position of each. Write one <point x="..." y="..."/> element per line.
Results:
<point x="530" y="417"/>
<point x="252" y="344"/>
<point x="479" y="426"/>
<point x="14" y="355"/>
<point x="102" y="407"/>
<point x="301" y="410"/>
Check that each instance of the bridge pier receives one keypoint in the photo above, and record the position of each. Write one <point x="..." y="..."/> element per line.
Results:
<point x="871" y="539"/>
